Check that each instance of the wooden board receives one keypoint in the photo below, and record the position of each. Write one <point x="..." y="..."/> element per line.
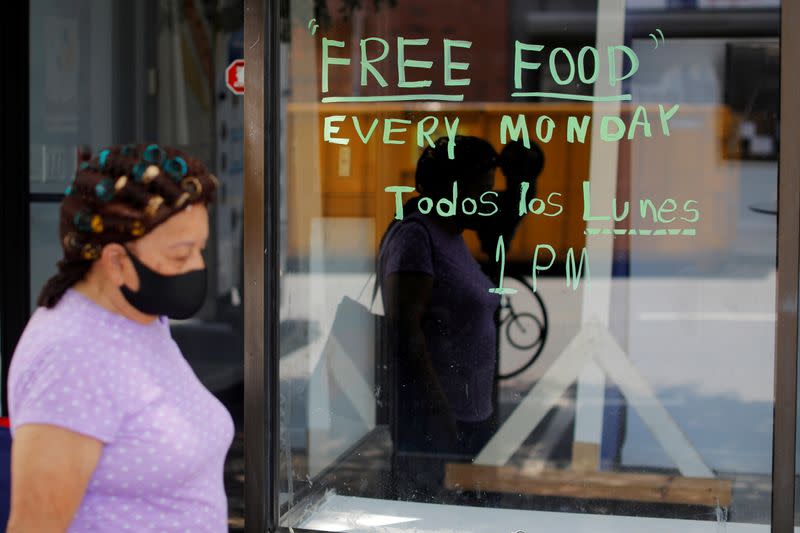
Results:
<point x="585" y="456"/>
<point x="591" y="485"/>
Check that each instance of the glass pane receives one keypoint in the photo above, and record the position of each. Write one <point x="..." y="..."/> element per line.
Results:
<point x="116" y="72"/>
<point x="45" y="246"/>
<point x="576" y="285"/>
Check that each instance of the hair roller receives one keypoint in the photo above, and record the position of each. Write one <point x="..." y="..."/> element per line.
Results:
<point x="181" y="201"/>
<point x="90" y="251"/>
<point x="104" y="190"/>
<point x="138" y="171"/>
<point x="103" y="157"/>
<point x="120" y="183"/>
<point x="70" y="242"/>
<point x="129" y="150"/>
<point x="96" y="224"/>
<point x="192" y="185"/>
<point x="153" y="205"/>
<point x="82" y="221"/>
<point x="137" y="228"/>
<point x="150" y="173"/>
<point x="153" y="154"/>
<point x="176" y="168"/>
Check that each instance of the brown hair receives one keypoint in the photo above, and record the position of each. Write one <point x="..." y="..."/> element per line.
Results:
<point x="120" y="195"/>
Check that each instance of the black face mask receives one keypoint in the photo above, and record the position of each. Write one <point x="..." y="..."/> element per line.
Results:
<point x="178" y="297"/>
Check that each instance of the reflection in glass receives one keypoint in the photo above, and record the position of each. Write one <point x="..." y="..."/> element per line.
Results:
<point x="441" y="308"/>
<point x="628" y="371"/>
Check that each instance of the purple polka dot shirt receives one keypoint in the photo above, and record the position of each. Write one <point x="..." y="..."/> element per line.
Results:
<point x="95" y="372"/>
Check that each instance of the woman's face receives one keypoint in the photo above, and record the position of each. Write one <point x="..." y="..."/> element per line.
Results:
<point x="173" y="247"/>
<point x="474" y="188"/>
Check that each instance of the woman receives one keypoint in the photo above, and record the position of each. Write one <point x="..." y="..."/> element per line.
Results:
<point x="441" y="314"/>
<point x="112" y="429"/>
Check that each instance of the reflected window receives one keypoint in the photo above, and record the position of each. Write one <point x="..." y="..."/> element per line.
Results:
<point x="517" y="292"/>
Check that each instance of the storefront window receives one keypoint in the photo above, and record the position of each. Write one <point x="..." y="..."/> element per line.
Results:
<point x="528" y="264"/>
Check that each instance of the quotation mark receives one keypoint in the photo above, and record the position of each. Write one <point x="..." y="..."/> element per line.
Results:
<point x="663" y="40"/>
<point x="314" y="23"/>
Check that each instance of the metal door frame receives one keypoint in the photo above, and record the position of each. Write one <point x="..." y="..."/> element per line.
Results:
<point x="786" y="347"/>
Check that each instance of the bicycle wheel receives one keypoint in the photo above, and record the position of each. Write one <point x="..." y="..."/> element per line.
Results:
<point x="526" y="335"/>
<point x="524" y="331"/>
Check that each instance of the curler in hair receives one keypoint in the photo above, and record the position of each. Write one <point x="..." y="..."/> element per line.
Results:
<point x="90" y="251"/>
<point x="104" y="190"/>
<point x="138" y="171"/>
<point x="150" y="174"/>
<point x="97" y="224"/>
<point x="182" y="199"/>
<point x="192" y="185"/>
<point x="103" y="157"/>
<point x="176" y="168"/>
<point x="153" y="205"/>
<point x="71" y="242"/>
<point x="82" y="221"/>
<point x="120" y="183"/>
<point x="137" y="228"/>
<point x="153" y="154"/>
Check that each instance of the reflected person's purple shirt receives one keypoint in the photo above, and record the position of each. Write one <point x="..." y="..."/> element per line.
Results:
<point x="459" y="326"/>
<point x="84" y="368"/>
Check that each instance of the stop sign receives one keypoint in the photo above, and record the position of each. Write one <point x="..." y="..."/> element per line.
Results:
<point x="234" y="76"/>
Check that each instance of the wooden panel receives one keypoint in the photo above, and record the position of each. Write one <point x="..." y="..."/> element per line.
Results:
<point x="344" y="167"/>
<point x="591" y="485"/>
<point x="585" y="457"/>
<point x="303" y="166"/>
<point x="348" y="205"/>
<point x="687" y="165"/>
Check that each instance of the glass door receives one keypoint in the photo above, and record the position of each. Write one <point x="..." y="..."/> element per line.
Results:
<point x="528" y="269"/>
<point x="653" y="202"/>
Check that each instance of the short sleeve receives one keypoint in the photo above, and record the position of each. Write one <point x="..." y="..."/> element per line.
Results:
<point x="408" y="249"/>
<point x="70" y="386"/>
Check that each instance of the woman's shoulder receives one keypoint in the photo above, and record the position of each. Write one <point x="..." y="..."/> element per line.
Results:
<point x="407" y="248"/>
<point x="62" y="325"/>
<point x="47" y="328"/>
<point x="43" y="346"/>
<point x="61" y="372"/>
<point x="62" y="340"/>
<point x="68" y="380"/>
<point x="410" y="235"/>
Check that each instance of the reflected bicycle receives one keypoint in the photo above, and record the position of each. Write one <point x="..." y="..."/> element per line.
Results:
<point x="526" y="330"/>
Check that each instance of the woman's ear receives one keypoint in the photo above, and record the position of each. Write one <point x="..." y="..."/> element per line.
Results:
<point x="112" y="261"/>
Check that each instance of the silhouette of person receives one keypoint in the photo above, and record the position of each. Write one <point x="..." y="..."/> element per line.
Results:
<point x="441" y="315"/>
